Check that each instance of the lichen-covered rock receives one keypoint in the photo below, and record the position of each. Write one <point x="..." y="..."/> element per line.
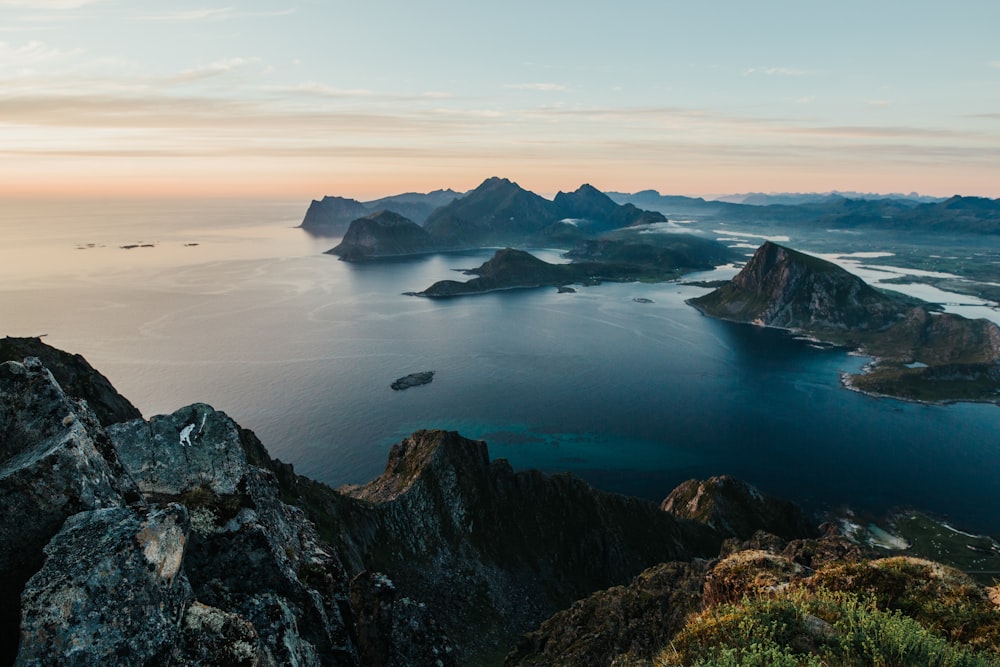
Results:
<point x="267" y="564"/>
<point x="55" y="461"/>
<point x="111" y="592"/>
<point x="250" y="554"/>
<point x="736" y="508"/>
<point x="627" y="624"/>
<point x="195" y="447"/>
<point x="395" y="631"/>
<point x="213" y="637"/>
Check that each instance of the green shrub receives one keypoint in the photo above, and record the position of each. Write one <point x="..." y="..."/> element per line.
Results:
<point x="813" y="629"/>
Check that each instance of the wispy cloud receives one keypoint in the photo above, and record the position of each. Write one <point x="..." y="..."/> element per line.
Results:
<point x="212" y="14"/>
<point x="320" y="89"/>
<point x="776" y="71"/>
<point x="547" y="87"/>
<point x="880" y="104"/>
<point x="995" y="64"/>
<point x="214" y="69"/>
<point x="21" y="60"/>
<point x="48" y="4"/>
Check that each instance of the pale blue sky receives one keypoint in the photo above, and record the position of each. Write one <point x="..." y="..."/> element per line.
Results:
<point x="304" y="98"/>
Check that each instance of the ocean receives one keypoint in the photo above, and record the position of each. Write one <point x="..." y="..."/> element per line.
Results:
<point x="228" y="303"/>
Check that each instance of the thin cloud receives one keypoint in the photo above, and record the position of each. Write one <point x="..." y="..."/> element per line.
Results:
<point x="48" y="4"/>
<point x="214" y="69"/>
<point x="880" y="104"/>
<point x="211" y="14"/>
<point x="546" y="87"/>
<point x="776" y="71"/>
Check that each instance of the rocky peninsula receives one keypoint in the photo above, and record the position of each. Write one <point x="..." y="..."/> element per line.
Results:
<point x="920" y="353"/>
<point x="178" y="540"/>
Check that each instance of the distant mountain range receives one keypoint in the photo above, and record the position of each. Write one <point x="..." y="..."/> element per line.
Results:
<point x="795" y="198"/>
<point x="497" y="213"/>
<point x="956" y="214"/>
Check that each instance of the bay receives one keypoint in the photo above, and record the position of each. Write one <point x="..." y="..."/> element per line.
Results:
<point x="229" y="304"/>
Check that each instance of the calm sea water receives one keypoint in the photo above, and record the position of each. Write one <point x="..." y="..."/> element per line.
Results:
<point x="234" y="307"/>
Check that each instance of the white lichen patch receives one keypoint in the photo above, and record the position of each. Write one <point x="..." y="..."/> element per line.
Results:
<point x="203" y="521"/>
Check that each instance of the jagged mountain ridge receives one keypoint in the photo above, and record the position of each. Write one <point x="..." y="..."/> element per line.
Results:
<point x="500" y="212"/>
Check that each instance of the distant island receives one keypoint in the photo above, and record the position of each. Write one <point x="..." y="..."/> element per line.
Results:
<point x="413" y="380"/>
<point x="611" y="261"/>
<point x="920" y="354"/>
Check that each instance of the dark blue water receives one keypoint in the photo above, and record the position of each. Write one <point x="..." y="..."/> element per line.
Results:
<point x="634" y="397"/>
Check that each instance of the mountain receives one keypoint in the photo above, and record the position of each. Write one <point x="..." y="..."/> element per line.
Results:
<point x="781" y="287"/>
<point x="331" y="215"/>
<point x="500" y="212"/>
<point x="414" y="205"/>
<point x="593" y="210"/>
<point x="497" y="212"/>
<point x="920" y="354"/>
<point x="382" y="234"/>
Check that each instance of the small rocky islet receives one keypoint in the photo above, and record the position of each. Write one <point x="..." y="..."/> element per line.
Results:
<point x="413" y="380"/>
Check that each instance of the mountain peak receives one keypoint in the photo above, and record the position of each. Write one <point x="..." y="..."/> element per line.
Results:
<point x="782" y="287"/>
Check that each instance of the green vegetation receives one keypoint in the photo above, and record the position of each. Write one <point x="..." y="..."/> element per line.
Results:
<point x="814" y="628"/>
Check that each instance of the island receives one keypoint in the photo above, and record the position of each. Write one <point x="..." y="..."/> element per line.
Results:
<point x="592" y="262"/>
<point x="919" y="353"/>
<point x="413" y="380"/>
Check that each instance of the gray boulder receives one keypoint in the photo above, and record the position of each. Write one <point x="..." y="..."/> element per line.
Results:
<point x="111" y="592"/>
<point x="55" y="461"/>
<point x="251" y="558"/>
<point x="196" y="447"/>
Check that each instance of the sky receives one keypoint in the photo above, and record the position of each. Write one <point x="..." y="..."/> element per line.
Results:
<point x="304" y="98"/>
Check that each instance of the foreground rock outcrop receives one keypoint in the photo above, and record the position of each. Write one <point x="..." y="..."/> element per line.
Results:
<point x="55" y="461"/>
<point x="178" y="540"/>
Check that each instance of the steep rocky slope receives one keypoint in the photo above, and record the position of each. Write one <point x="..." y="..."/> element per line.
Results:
<point x="781" y="287"/>
<point x="495" y="551"/>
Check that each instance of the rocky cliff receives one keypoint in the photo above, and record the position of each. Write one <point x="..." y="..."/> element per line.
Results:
<point x="494" y="551"/>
